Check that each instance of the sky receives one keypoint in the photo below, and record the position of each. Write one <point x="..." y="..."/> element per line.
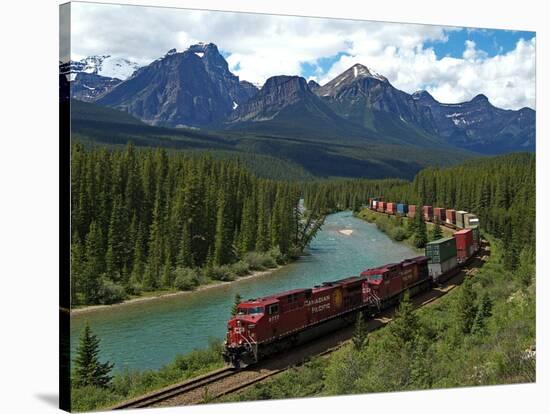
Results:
<point x="454" y="64"/>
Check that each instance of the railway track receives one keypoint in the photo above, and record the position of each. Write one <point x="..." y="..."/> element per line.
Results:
<point x="158" y="396"/>
<point x="227" y="381"/>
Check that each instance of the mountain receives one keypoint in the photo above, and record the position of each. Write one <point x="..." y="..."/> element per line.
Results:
<point x="360" y="94"/>
<point x="193" y="88"/>
<point x="286" y="106"/>
<point x="94" y="76"/>
<point x="196" y="89"/>
<point x="313" y="86"/>
<point x="103" y="65"/>
<point x="479" y="126"/>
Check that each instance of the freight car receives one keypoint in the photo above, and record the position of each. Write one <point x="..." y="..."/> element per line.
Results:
<point x="271" y="324"/>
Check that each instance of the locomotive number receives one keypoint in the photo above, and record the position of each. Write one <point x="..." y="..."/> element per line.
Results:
<point x="274" y="318"/>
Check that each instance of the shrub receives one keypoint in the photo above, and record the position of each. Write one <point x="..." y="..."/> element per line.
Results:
<point x="399" y="234"/>
<point x="241" y="268"/>
<point x="276" y="254"/>
<point x="255" y="260"/>
<point x="222" y="273"/>
<point x="186" y="278"/>
<point x="89" y="398"/>
<point x="110" y="292"/>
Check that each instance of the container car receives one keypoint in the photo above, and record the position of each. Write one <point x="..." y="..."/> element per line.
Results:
<point x="402" y="209"/>
<point x="439" y="213"/>
<point x="381" y="206"/>
<point x="427" y="212"/>
<point x="477" y="238"/>
<point x="464" y="245"/>
<point x="440" y="250"/>
<point x="441" y="257"/>
<point x="391" y="208"/>
<point x="460" y="218"/>
<point x="412" y="211"/>
<point x="450" y="216"/>
<point x="470" y="220"/>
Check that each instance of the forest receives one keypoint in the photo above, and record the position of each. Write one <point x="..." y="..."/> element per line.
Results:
<point x="147" y="220"/>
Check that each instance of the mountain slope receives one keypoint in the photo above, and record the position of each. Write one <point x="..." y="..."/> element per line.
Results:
<point x="479" y="126"/>
<point x="193" y="88"/>
<point x="96" y="124"/>
<point x="286" y="106"/>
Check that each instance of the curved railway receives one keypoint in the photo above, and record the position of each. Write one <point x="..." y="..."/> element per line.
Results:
<point x="225" y="381"/>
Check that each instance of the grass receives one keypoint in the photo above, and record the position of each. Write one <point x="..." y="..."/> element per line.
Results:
<point x="130" y="384"/>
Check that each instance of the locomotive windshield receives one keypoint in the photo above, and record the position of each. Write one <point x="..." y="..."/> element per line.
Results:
<point x="251" y="311"/>
<point x="375" y="277"/>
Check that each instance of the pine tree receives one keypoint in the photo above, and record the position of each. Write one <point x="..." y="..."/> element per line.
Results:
<point x="360" y="335"/>
<point x="437" y="232"/>
<point x="484" y="312"/>
<point x="405" y="324"/>
<point x="262" y="237"/>
<point x="89" y="371"/>
<point x="236" y="303"/>
<point x="94" y="266"/>
<point x="77" y="268"/>
<point x="247" y="234"/>
<point x="466" y="307"/>
<point x="223" y="237"/>
<point x="421" y="232"/>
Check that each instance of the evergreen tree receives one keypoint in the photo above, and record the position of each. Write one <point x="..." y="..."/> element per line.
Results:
<point x="437" y="232"/>
<point x="421" y="232"/>
<point x="466" y="307"/>
<point x="247" y="234"/>
<point x="360" y="335"/>
<point x="94" y="265"/>
<point x="89" y="371"/>
<point x="484" y="312"/>
<point x="405" y="323"/>
<point x="223" y="237"/>
<point x="262" y="237"/>
<point x="236" y="303"/>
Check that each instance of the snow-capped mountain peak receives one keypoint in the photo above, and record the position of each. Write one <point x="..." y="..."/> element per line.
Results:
<point x="104" y="65"/>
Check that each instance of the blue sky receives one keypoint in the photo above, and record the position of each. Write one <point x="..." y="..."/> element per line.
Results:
<point x="493" y="42"/>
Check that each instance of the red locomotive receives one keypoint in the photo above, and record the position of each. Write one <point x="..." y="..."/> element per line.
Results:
<point x="271" y="324"/>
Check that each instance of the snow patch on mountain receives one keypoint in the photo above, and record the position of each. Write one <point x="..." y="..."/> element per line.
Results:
<point x="104" y="65"/>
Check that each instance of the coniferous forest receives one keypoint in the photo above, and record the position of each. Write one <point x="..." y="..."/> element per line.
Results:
<point x="145" y="220"/>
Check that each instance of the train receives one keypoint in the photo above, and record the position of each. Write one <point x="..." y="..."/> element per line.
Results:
<point x="272" y="324"/>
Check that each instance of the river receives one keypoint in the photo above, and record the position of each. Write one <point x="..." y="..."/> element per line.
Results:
<point x="149" y="334"/>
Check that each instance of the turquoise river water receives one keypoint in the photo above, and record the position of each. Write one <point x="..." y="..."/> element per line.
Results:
<point x="150" y="334"/>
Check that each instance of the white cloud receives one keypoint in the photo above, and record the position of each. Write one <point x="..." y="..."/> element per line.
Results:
<point x="260" y="46"/>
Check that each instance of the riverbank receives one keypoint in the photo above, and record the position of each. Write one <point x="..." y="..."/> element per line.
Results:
<point x="152" y="296"/>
